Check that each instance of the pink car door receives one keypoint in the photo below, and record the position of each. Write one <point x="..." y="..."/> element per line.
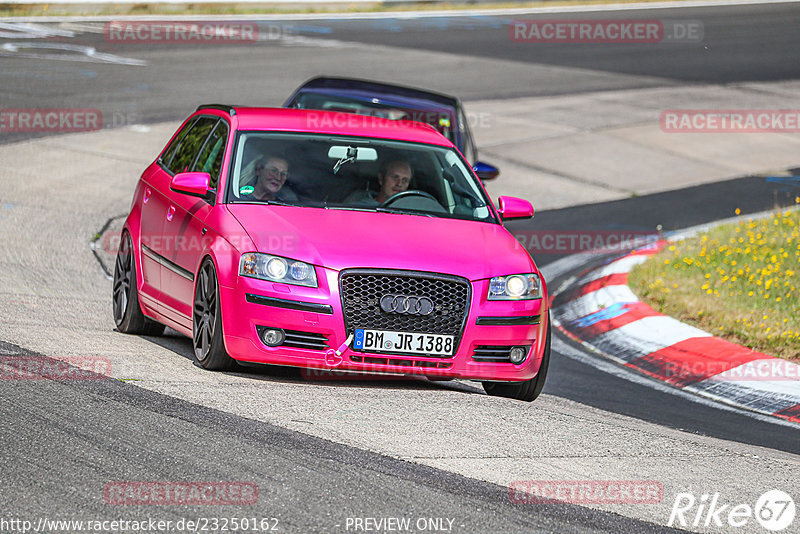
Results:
<point x="184" y="230"/>
<point x="154" y="202"/>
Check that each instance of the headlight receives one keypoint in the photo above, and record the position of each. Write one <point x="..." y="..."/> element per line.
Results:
<point x="515" y="287"/>
<point x="277" y="269"/>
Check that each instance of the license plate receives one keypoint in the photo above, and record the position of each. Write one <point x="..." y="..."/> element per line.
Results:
<point x="388" y="341"/>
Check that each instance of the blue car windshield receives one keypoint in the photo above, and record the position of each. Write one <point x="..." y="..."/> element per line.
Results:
<point x="345" y="172"/>
<point x="443" y="119"/>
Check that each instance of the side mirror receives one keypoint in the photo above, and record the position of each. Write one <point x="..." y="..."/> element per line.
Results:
<point x="195" y="184"/>
<point x="514" y="208"/>
<point x="485" y="171"/>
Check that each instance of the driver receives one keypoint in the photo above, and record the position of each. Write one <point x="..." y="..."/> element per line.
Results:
<point x="394" y="177"/>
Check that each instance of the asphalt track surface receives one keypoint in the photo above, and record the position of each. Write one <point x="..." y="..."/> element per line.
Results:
<point x="305" y="483"/>
<point x="747" y="43"/>
<point x="81" y="432"/>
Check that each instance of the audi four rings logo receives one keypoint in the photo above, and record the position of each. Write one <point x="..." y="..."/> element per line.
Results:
<point x="406" y="305"/>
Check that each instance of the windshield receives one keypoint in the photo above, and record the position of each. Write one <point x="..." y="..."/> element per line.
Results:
<point x="341" y="172"/>
<point x="442" y="119"/>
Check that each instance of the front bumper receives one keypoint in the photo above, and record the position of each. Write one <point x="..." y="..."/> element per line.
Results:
<point x="254" y="304"/>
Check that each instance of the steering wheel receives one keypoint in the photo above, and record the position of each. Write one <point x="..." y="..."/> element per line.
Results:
<point x="404" y="194"/>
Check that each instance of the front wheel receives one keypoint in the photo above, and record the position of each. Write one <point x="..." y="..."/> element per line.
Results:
<point x="128" y="314"/>
<point x="528" y="390"/>
<point x="209" y="348"/>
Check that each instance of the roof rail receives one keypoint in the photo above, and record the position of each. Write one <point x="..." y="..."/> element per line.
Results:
<point x="230" y="110"/>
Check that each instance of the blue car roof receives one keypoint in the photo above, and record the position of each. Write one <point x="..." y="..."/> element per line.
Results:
<point x="387" y="93"/>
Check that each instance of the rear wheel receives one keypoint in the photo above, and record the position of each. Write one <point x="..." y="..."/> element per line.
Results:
<point x="209" y="348"/>
<point x="128" y="314"/>
<point x="528" y="390"/>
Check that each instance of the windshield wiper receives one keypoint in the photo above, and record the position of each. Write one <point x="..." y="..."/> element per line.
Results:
<point x="402" y="211"/>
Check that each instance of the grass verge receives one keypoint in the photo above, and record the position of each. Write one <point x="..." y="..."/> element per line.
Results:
<point x="738" y="281"/>
<point x="100" y="8"/>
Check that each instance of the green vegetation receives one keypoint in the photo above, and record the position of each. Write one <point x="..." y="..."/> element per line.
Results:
<point x="739" y="281"/>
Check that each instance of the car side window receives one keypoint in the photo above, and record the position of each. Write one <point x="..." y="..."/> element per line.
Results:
<point x="191" y="144"/>
<point x="213" y="152"/>
<point x="169" y="153"/>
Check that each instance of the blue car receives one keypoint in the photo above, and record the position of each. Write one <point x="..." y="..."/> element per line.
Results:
<point x="443" y="112"/>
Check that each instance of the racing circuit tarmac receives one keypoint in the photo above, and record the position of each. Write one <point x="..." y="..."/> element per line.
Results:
<point x="323" y="451"/>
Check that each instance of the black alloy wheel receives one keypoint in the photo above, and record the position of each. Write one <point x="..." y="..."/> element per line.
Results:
<point x="128" y="314"/>
<point x="209" y="347"/>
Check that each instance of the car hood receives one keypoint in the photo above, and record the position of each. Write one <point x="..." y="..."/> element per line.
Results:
<point x="341" y="239"/>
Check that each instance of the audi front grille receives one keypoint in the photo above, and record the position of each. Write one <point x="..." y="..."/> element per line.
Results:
<point x="363" y="289"/>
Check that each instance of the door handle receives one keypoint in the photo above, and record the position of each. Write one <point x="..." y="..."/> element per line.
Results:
<point x="147" y="193"/>
<point x="170" y="213"/>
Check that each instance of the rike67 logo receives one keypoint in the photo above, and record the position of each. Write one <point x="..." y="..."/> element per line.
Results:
<point x="774" y="510"/>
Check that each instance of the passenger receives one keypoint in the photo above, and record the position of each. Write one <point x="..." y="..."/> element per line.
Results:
<point x="271" y="174"/>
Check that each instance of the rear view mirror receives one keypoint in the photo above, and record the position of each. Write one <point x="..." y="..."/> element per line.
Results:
<point x="352" y="153"/>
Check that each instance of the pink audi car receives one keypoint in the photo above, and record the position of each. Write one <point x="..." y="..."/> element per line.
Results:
<point x="331" y="241"/>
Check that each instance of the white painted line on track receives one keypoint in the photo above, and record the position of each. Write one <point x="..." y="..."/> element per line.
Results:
<point x="29" y="30"/>
<point x="80" y="53"/>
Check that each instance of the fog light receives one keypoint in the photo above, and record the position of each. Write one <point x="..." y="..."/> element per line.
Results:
<point x="273" y="336"/>
<point x="517" y="355"/>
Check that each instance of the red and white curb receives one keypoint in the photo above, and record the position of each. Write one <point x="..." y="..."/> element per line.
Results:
<point x="599" y="311"/>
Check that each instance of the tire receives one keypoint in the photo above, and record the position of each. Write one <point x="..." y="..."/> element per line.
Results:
<point x="209" y="347"/>
<point x="528" y="390"/>
<point x="128" y="314"/>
